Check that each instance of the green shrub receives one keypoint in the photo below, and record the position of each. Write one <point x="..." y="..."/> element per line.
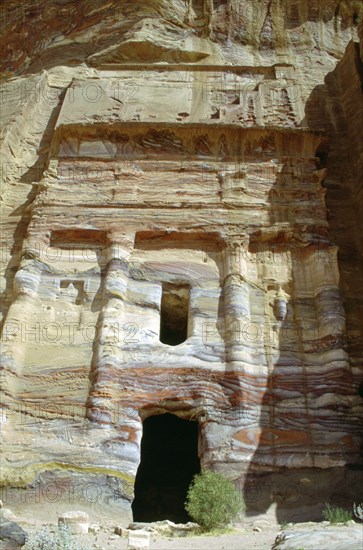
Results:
<point x="213" y="501"/>
<point x="335" y="515"/>
<point x="62" y="539"/>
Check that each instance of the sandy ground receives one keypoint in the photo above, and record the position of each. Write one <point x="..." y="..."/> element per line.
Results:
<point x="246" y="537"/>
<point x="247" y="540"/>
<point x="243" y="538"/>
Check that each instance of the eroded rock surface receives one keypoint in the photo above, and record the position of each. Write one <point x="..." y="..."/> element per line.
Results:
<point x="12" y="536"/>
<point x="196" y="166"/>
<point x="334" y="538"/>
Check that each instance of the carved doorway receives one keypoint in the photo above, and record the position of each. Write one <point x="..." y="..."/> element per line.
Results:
<point x="169" y="460"/>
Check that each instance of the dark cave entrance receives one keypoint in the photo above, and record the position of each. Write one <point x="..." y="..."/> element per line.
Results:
<point x="169" y="460"/>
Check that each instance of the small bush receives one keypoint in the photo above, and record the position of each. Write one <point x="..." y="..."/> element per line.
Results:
<point x="62" y="539"/>
<point x="213" y="501"/>
<point x="335" y="515"/>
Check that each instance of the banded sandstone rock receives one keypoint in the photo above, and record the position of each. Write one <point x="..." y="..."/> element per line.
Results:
<point x="172" y="164"/>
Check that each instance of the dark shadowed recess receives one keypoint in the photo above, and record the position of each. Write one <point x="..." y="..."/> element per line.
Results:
<point x="169" y="460"/>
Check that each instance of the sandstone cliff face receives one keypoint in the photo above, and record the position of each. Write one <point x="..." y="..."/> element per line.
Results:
<point x="182" y="173"/>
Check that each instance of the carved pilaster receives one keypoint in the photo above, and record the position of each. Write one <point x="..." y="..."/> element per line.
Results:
<point x="328" y="302"/>
<point x="236" y="297"/>
<point x="108" y="337"/>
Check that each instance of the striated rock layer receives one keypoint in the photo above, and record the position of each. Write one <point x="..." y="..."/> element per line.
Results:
<point x="182" y="233"/>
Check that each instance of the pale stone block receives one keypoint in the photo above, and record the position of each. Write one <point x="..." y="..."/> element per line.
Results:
<point x="78" y="522"/>
<point x="138" y="540"/>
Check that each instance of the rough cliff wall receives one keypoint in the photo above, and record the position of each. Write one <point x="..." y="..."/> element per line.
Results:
<point x="198" y="161"/>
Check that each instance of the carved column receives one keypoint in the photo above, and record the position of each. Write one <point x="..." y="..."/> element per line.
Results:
<point x="107" y="359"/>
<point x="236" y="299"/>
<point x="19" y="326"/>
<point x="329" y="307"/>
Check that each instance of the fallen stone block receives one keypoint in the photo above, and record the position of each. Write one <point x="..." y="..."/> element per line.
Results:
<point x="138" y="540"/>
<point x="78" y="522"/>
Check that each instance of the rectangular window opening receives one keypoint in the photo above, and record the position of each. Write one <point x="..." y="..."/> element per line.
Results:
<point x="174" y="314"/>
